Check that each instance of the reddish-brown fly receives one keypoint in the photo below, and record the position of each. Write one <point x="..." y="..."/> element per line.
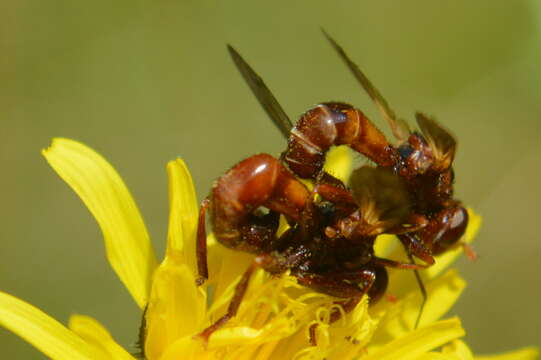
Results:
<point x="329" y="246"/>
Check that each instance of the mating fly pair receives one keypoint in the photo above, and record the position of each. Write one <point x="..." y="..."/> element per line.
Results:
<point x="329" y="245"/>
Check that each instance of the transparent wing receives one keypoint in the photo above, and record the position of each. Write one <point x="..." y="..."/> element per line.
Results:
<point x="262" y="93"/>
<point x="380" y="194"/>
<point x="399" y="127"/>
<point x="442" y="143"/>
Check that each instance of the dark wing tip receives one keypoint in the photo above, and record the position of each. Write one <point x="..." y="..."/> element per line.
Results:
<point x="326" y="34"/>
<point x="262" y="93"/>
<point x="399" y="128"/>
<point x="234" y="53"/>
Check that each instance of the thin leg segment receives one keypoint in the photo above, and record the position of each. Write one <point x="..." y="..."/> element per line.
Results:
<point x="399" y="265"/>
<point x="335" y="285"/>
<point x="416" y="247"/>
<point x="240" y="291"/>
<point x="423" y="292"/>
<point x="268" y="262"/>
<point x="201" y="250"/>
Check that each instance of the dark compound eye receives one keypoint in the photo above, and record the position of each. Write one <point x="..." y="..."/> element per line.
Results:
<point x="454" y="226"/>
<point x="405" y="151"/>
<point x="326" y="209"/>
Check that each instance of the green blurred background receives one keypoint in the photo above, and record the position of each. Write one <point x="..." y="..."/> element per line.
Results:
<point x="145" y="81"/>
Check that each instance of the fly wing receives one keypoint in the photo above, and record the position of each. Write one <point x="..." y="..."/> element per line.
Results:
<point x="399" y="127"/>
<point x="262" y="93"/>
<point x="381" y="195"/>
<point x="442" y="143"/>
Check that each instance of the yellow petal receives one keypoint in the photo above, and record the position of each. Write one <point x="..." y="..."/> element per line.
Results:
<point x="176" y="308"/>
<point x="183" y="214"/>
<point x="339" y="162"/>
<point x="43" y="332"/>
<point x="418" y="342"/>
<point x="400" y="317"/>
<point x="529" y="353"/>
<point x="214" y="258"/>
<point x="459" y="349"/>
<point x="129" y="250"/>
<point x="233" y="264"/>
<point x="188" y="349"/>
<point x="234" y="336"/>
<point x="245" y="340"/>
<point x="98" y="337"/>
<point x="387" y="246"/>
<point x="345" y="339"/>
<point x="438" y="356"/>
<point x="266" y="350"/>
<point x="259" y="318"/>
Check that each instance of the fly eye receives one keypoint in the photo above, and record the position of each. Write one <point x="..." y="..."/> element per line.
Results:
<point x="405" y="151"/>
<point x="455" y="223"/>
<point x="326" y="209"/>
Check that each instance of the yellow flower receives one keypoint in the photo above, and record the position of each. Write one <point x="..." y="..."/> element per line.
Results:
<point x="273" y="318"/>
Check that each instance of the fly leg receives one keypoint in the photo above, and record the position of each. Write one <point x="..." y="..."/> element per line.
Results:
<point x="372" y="281"/>
<point x="423" y="292"/>
<point x="409" y="266"/>
<point x="416" y="247"/>
<point x="272" y="263"/>
<point x="233" y="307"/>
<point x="399" y="265"/>
<point x="240" y="291"/>
<point x="201" y="245"/>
